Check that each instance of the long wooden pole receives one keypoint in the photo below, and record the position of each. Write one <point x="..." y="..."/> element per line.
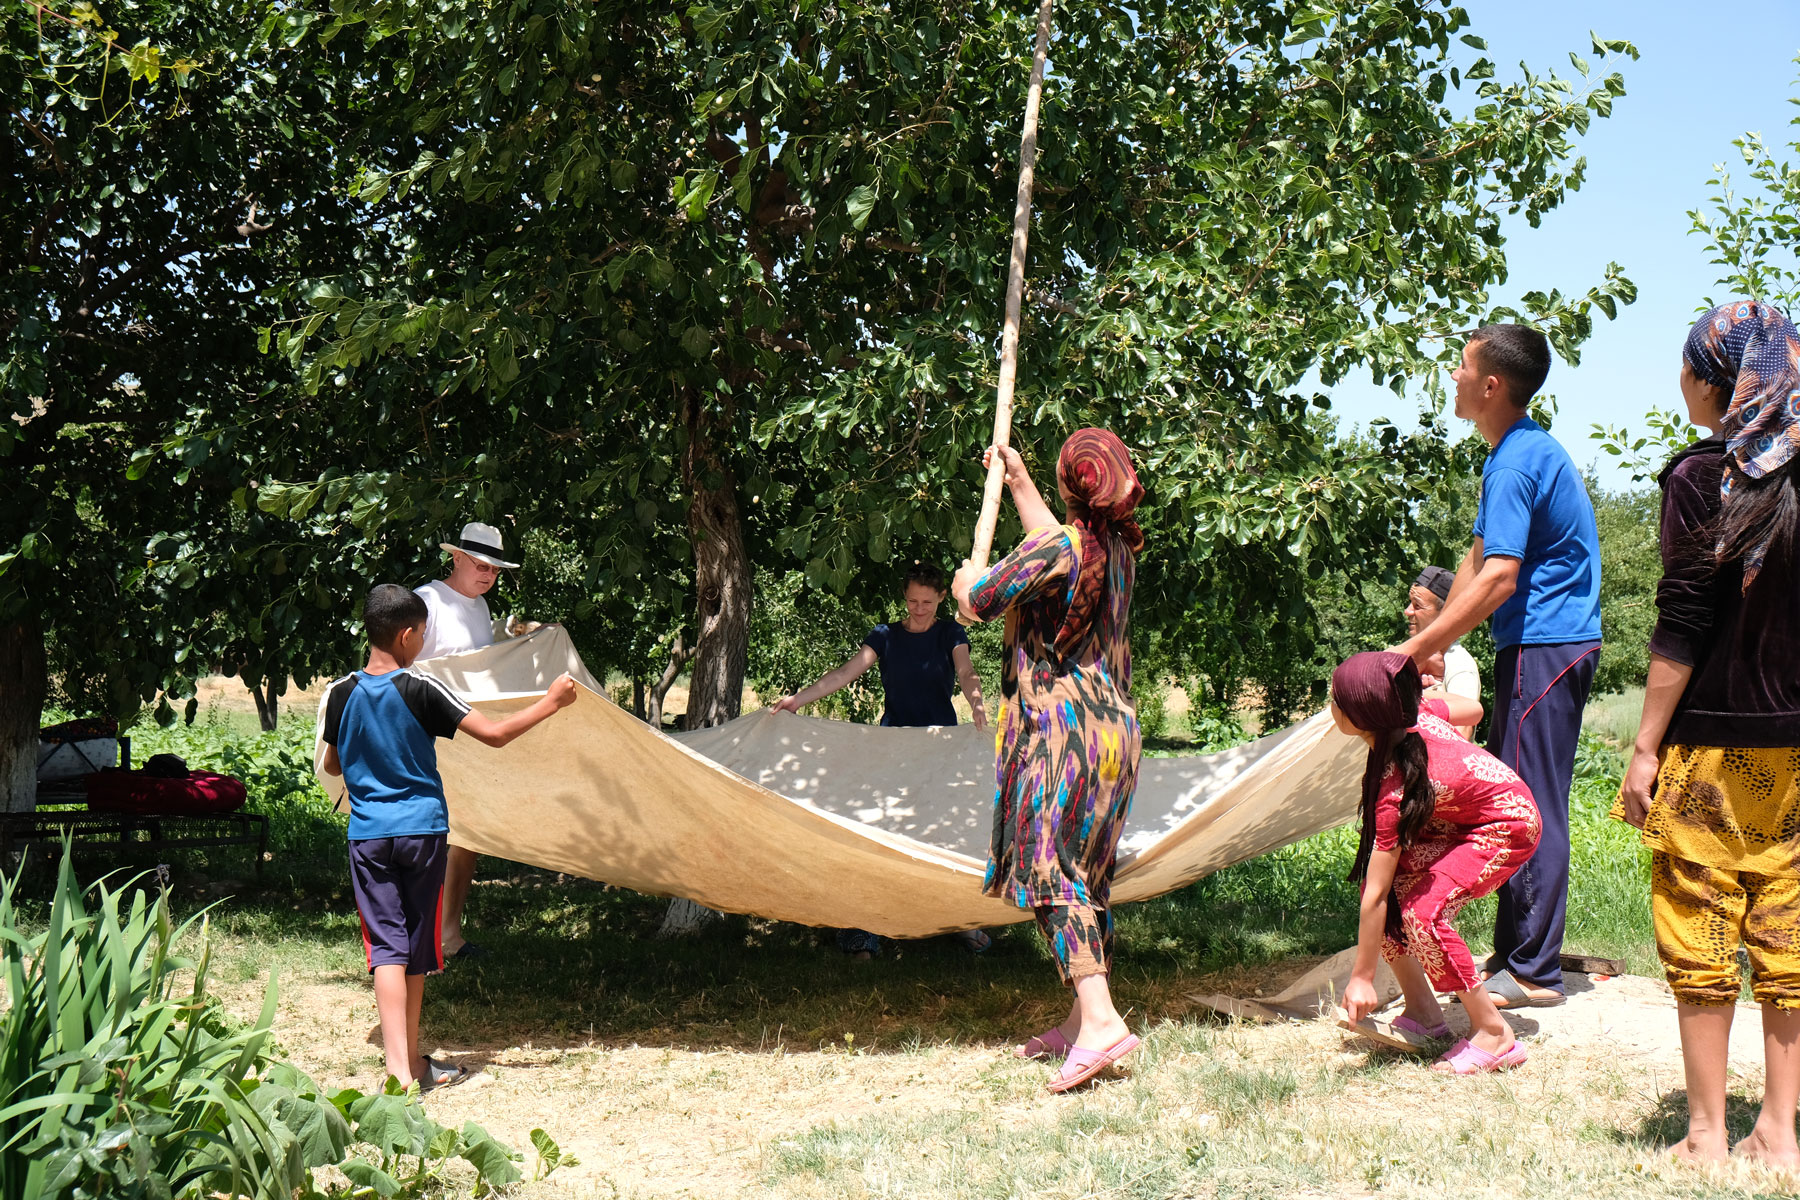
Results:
<point x="1015" y="298"/>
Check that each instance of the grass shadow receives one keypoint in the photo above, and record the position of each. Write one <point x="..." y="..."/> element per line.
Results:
<point x="571" y="960"/>
<point x="1667" y="1123"/>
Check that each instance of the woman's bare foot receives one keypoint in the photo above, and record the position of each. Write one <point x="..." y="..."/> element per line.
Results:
<point x="1100" y="1036"/>
<point x="1494" y="1043"/>
<point x="1767" y="1151"/>
<point x="1701" y="1148"/>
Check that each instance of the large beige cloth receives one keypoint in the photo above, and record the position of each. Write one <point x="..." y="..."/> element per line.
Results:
<point x="827" y="822"/>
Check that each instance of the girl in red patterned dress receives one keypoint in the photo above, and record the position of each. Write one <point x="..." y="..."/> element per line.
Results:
<point x="1443" y="822"/>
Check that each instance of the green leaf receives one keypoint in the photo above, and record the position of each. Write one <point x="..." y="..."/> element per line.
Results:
<point x="368" y="1175"/>
<point x="384" y="1121"/>
<point x="660" y="274"/>
<point x="699" y="194"/>
<point x="496" y="1165"/>
<point x="709" y="22"/>
<point x="549" y="1153"/>
<point x="859" y="204"/>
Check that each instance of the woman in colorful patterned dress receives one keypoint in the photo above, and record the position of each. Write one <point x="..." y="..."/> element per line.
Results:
<point x="1714" y="777"/>
<point x="1443" y="822"/>
<point x="1068" y="741"/>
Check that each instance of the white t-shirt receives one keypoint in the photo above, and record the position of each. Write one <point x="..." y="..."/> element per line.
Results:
<point x="1461" y="676"/>
<point x="457" y="622"/>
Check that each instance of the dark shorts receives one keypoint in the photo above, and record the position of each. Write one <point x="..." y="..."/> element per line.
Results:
<point x="398" y="883"/>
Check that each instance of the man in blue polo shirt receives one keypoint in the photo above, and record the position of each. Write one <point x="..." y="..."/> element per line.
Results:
<point x="1535" y="567"/>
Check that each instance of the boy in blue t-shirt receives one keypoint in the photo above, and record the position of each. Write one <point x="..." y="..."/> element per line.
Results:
<point x="381" y="731"/>
<point x="1535" y="567"/>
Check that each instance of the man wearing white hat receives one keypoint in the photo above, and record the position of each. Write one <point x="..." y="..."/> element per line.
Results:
<point x="459" y="620"/>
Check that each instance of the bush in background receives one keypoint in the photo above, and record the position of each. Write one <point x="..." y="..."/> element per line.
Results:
<point x="1631" y="564"/>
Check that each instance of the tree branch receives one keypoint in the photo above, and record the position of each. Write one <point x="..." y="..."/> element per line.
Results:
<point x="679" y="656"/>
<point x="114" y="287"/>
<point x="49" y="143"/>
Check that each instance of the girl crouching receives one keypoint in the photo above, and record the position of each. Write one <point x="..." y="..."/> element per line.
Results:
<point x="1443" y="822"/>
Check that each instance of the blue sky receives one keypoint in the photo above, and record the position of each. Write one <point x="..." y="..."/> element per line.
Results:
<point x="1702" y="81"/>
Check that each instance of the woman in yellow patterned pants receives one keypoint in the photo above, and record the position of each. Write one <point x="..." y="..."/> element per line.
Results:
<point x="1708" y="799"/>
<point x="1714" y="778"/>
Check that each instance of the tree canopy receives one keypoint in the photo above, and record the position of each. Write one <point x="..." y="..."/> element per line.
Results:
<point x="681" y="293"/>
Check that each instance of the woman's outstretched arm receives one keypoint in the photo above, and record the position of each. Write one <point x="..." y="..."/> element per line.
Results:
<point x="971" y="684"/>
<point x="1033" y="514"/>
<point x="832" y="681"/>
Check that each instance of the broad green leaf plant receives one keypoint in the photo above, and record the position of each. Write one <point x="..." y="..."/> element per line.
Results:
<point x="121" y="1077"/>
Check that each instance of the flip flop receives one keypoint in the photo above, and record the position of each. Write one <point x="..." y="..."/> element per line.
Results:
<point x="859" y="944"/>
<point x="1466" y="1058"/>
<point x="439" y="1075"/>
<point x="1083" y="1065"/>
<point x="977" y="940"/>
<point x="1401" y="1032"/>
<point x="469" y="950"/>
<point x="1507" y="992"/>
<point x="1045" y="1044"/>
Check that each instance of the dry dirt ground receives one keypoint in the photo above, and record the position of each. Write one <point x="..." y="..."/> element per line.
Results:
<point x="665" y="1121"/>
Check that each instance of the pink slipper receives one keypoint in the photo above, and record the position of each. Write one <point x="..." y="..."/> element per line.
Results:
<point x="1466" y="1058"/>
<point x="1045" y="1044"/>
<point x="1083" y="1065"/>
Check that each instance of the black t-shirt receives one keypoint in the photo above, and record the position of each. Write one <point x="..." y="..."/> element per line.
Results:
<point x="918" y="675"/>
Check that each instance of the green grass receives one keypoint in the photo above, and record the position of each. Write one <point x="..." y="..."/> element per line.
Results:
<point x="1238" y="1111"/>
<point x="1210" y="1109"/>
<point x="1614" y="717"/>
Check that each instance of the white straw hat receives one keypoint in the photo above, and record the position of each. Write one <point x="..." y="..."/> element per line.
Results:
<point x="480" y="542"/>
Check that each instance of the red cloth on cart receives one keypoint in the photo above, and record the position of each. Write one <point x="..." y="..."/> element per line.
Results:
<point x="202" y="792"/>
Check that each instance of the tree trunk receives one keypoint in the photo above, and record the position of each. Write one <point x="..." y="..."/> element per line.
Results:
<point x="684" y="917"/>
<point x="266" y="701"/>
<point x="22" y="685"/>
<point x="679" y="654"/>
<point x="637" y="698"/>
<point x="721" y="577"/>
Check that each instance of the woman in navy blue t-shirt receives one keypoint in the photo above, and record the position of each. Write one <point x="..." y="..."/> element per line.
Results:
<point x="922" y="658"/>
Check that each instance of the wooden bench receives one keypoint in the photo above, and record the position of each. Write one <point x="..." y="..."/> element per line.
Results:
<point x="137" y="831"/>
<point x="62" y="812"/>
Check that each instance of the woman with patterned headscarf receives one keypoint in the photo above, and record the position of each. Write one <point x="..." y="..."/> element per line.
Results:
<point x="1714" y="778"/>
<point x="1068" y="742"/>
